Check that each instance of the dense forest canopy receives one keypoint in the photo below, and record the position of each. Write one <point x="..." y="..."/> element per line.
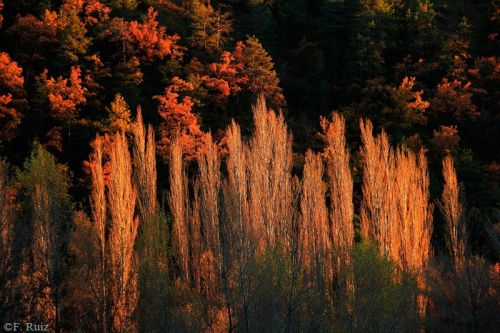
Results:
<point x="186" y="151"/>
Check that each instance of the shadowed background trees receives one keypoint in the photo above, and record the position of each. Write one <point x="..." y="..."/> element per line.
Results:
<point x="164" y="168"/>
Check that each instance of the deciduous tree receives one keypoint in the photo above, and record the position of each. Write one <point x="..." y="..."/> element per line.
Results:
<point x="452" y="210"/>
<point x="178" y="120"/>
<point x="123" y="229"/>
<point x="148" y="40"/>
<point x="11" y="91"/>
<point x="48" y="206"/>
<point x="340" y="186"/>
<point x="119" y="115"/>
<point x="65" y="95"/>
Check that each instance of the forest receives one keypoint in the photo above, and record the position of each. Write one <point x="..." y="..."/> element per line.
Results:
<point x="250" y="165"/>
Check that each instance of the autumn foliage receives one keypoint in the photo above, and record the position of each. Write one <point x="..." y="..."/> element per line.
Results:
<point x="395" y="211"/>
<point x="11" y="88"/>
<point x="148" y="40"/>
<point x="250" y="166"/>
<point x="178" y="120"/>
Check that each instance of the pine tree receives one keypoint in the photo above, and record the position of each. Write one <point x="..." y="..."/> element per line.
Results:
<point x="71" y="30"/>
<point x="423" y="34"/>
<point x="258" y="69"/>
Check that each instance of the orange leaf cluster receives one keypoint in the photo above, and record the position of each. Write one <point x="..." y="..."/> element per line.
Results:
<point x="446" y="139"/>
<point x="418" y="103"/>
<point x="179" y="120"/>
<point x="96" y="12"/>
<point x="65" y="94"/>
<point x="11" y="82"/>
<point x="221" y="79"/>
<point x="150" y="39"/>
<point x="454" y="98"/>
<point x="229" y="71"/>
<point x="10" y="73"/>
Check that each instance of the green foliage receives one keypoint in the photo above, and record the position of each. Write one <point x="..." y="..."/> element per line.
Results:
<point x="259" y="69"/>
<point x="48" y="209"/>
<point x="384" y="297"/>
<point x="72" y="37"/>
<point x="154" y="281"/>
<point x="43" y="175"/>
<point x="423" y="34"/>
<point x="210" y="27"/>
<point x="276" y="296"/>
<point x="426" y="71"/>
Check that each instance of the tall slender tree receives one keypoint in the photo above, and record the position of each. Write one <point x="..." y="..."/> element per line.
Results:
<point x="123" y="228"/>
<point x="452" y="210"/>
<point x="45" y="187"/>
<point x="340" y="185"/>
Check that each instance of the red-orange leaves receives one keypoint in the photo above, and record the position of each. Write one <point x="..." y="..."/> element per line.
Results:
<point x="96" y="12"/>
<point x="178" y="120"/>
<point x="453" y="101"/>
<point x="65" y="94"/>
<point x="149" y="40"/>
<point x="10" y="73"/>
<point x="229" y="71"/>
<point x="11" y="84"/>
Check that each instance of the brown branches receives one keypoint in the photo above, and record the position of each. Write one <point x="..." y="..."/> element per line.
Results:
<point x="414" y="213"/>
<point x="210" y="186"/>
<point x="179" y="207"/>
<point x="377" y="207"/>
<point x="98" y="206"/>
<point x="452" y="210"/>
<point x="269" y="165"/>
<point x="340" y="187"/>
<point x="395" y="211"/>
<point x="144" y="161"/>
<point x="113" y="201"/>
<point x="122" y="232"/>
<point x="314" y="233"/>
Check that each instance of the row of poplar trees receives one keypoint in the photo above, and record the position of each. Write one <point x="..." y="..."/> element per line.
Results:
<point x="243" y="240"/>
